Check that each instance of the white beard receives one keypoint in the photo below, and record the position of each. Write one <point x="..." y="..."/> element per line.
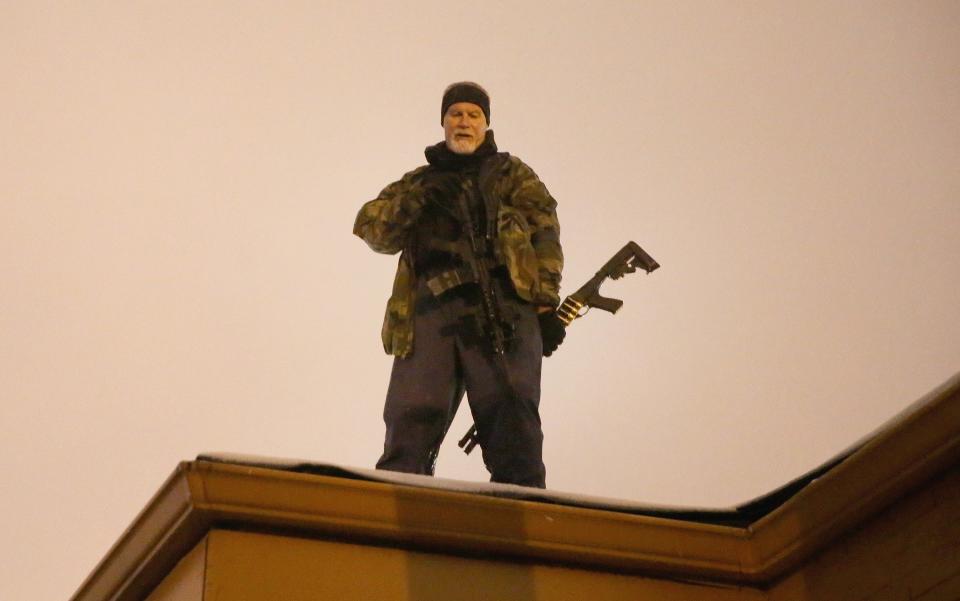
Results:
<point x="462" y="146"/>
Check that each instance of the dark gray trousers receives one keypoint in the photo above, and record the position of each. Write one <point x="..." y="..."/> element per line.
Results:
<point x="451" y="357"/>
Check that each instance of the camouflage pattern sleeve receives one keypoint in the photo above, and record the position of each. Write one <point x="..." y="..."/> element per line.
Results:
<point x="530" y="195"/>
<point x="384" y="222"/>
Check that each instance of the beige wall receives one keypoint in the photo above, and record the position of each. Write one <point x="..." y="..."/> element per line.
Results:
<point x="178" y="181"/>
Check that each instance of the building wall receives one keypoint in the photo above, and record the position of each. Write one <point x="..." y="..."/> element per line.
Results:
<point x="253" y="567"/>
<point x="909" y="551"/>
<point x="185" y="582"/>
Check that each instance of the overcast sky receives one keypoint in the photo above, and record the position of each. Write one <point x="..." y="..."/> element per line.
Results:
<point x="179" y="180"/>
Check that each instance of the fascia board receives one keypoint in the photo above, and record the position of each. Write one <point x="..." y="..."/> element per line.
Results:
<point x="896" y="460"/>
<point x="468" y="524"/>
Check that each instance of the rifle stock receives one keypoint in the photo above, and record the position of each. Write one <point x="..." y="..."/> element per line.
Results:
<point x="627" y="260"/>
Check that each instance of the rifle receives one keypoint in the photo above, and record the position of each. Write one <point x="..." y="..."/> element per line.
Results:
<point x="627" y="260"/>
<point x="479" y="265"/>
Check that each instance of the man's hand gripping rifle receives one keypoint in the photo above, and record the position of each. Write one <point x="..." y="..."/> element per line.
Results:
<point x="627" y="260"/>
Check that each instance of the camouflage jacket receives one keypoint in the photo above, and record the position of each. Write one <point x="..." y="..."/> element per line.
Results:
<point x="526" y="239"/>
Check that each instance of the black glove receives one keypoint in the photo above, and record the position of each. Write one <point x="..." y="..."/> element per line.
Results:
<point x="442" y="187"/>
<point x="552" y="331"/>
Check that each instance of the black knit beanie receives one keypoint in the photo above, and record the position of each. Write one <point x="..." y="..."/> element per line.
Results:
<point x="465" y="91"/>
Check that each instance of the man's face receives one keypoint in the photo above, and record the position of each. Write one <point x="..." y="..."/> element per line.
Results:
<point x="464" y="127"/>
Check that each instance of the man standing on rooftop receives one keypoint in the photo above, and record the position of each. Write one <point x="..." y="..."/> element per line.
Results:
<point x="468" y="200"/>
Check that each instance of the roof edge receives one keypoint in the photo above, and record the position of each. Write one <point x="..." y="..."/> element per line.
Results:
<point x="914" y="447"/>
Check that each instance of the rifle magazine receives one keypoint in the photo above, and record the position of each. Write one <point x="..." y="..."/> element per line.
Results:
<point x="569" y="310"/>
